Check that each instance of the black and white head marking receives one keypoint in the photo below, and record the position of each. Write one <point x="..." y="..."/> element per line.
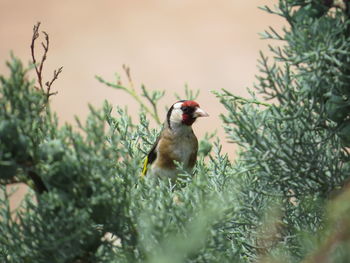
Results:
<point x="176" y="106"/>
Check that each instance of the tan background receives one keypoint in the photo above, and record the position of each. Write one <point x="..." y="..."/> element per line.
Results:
<point x="207" y="44"/>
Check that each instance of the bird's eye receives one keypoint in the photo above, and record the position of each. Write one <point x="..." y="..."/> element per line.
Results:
<point x="185" y="109"/>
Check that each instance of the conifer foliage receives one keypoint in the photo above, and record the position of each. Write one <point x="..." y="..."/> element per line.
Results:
<point x="284" y="198"/>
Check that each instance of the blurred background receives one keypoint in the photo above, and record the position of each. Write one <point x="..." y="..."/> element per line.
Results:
<point x="208" y="45"/>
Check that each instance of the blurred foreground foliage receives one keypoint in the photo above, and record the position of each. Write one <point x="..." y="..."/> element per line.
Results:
<point x="284" y="198"/>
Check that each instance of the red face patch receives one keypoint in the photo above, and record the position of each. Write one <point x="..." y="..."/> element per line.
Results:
<point x="188" y="119"/>
<point x="190" y="103"/>
<point x="189" y="107"/>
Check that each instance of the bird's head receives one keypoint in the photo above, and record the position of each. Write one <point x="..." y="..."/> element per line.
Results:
<point x="184" y="112"/>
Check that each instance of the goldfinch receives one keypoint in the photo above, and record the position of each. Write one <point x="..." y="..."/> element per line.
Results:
<point x="177" y="141"/>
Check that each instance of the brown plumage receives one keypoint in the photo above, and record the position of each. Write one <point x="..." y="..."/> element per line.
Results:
<point x="169" y="142"/>
<point x="177" y="142"/>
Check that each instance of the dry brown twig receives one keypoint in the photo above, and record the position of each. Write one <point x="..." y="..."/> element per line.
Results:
<point x="39" y="66"/>
<point x="128" y="75"/>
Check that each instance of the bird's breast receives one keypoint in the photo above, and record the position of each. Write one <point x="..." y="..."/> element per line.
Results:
<point x="182" y="149"/>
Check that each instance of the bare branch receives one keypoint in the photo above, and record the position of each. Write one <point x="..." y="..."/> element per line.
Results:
<point x="39" y="66"/>
<point x="32" y="48"/>
<point x="38" y="182"/>
<point x="128" y="75"/>
<point x="49" y="83"/>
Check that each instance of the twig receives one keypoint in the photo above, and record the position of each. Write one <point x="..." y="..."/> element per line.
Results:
<point x="49" y="83"/>
<point x="13" y="180"/>
<point x="239" y="98"/>
<point x="128" y="75"/>
<point x="153" y="103"/>
<point x="133" y="93"/>
<point x="38" y="182"/>
<point x="130" y="89"/>
<point x="39" y="66"/>
<point x="37" y="70"/>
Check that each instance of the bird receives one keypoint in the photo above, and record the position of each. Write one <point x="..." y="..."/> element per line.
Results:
<point x="176" y="142"/>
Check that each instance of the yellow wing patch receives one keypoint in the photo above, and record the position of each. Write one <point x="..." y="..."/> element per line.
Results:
<point x="144" y="169"/>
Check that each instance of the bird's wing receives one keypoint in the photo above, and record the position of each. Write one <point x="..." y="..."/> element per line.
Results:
<point x="152" y="155"/>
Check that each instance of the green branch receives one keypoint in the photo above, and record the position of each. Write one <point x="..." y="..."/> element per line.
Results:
<point x="239" y="98"/>
<point x="132" y="92"/>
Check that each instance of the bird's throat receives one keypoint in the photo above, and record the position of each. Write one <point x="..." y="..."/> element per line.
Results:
<point x="188" y="120"/>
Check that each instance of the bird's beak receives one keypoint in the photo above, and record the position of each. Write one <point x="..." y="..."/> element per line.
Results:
<point x="200" y="113"/>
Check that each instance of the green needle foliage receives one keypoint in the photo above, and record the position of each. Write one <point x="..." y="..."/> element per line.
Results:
<point x="285" y="198"/>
